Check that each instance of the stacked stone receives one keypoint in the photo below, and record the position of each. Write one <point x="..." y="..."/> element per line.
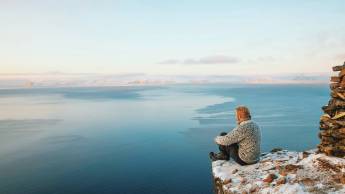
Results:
<point x="332" y="123"/>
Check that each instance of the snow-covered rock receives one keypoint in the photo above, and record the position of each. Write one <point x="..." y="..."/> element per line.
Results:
<point x="284" y="172"/>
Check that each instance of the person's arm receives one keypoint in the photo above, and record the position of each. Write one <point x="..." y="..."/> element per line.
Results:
<point x="234" y="136"/>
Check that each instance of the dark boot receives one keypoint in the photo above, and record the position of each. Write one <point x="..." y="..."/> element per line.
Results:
<point x="219" y="156"/>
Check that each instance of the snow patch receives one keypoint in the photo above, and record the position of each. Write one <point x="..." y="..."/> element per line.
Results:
<point x="283" y="172"/>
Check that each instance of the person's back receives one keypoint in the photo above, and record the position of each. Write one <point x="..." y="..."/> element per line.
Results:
<point x="249" y="147"/>
<point x="242" y="143"/>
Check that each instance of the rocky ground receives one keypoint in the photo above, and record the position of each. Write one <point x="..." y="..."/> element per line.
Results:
<point x="282" y="171"/>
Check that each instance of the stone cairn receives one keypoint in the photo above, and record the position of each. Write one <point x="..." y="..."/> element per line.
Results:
<point x="332" y="123"/>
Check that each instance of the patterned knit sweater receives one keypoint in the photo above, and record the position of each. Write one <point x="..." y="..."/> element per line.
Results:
<point x="248" y="137"/>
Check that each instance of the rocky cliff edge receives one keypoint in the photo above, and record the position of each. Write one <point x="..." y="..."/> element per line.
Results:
<point x="282" y="171"/>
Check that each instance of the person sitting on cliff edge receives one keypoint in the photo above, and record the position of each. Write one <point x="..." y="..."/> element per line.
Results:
<point x="242" y="143"/>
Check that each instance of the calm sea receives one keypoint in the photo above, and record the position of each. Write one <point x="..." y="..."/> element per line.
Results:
<point x="139" y="139"/>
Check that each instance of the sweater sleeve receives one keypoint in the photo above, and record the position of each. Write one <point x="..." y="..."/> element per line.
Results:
<point x="234" y="136"/>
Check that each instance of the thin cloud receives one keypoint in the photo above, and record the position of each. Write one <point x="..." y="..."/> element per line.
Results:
<point x="215" y="59"/>
<point x="266" y="59"/>
<point x="169" y="62"/>
<point x="340" y="56"/>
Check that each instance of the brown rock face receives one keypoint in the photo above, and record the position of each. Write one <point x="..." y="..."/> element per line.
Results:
<point x="339" y="178"/>
<point x="270" y="178"/>
<point x="332" y="123"/>
<point x="281" y="180"/>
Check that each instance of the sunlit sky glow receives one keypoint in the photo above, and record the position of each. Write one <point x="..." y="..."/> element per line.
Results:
<point x="194" y="37"/>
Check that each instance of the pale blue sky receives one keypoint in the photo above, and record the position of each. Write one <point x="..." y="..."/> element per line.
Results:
<point x="193" y="37"/>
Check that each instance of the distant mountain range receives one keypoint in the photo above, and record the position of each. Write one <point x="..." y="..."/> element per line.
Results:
<point x="89" y="80"/>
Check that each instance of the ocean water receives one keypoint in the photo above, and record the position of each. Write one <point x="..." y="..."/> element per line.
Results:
<point x="139" y="139"/>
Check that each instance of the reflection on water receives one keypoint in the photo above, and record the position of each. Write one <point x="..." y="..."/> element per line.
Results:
<point x="22" y="125"/>
<point x="63" y="139"/>
<point x="139" y="139"/>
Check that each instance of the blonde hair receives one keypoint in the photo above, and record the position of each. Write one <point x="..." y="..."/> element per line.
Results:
<point x="243" y="112"/>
